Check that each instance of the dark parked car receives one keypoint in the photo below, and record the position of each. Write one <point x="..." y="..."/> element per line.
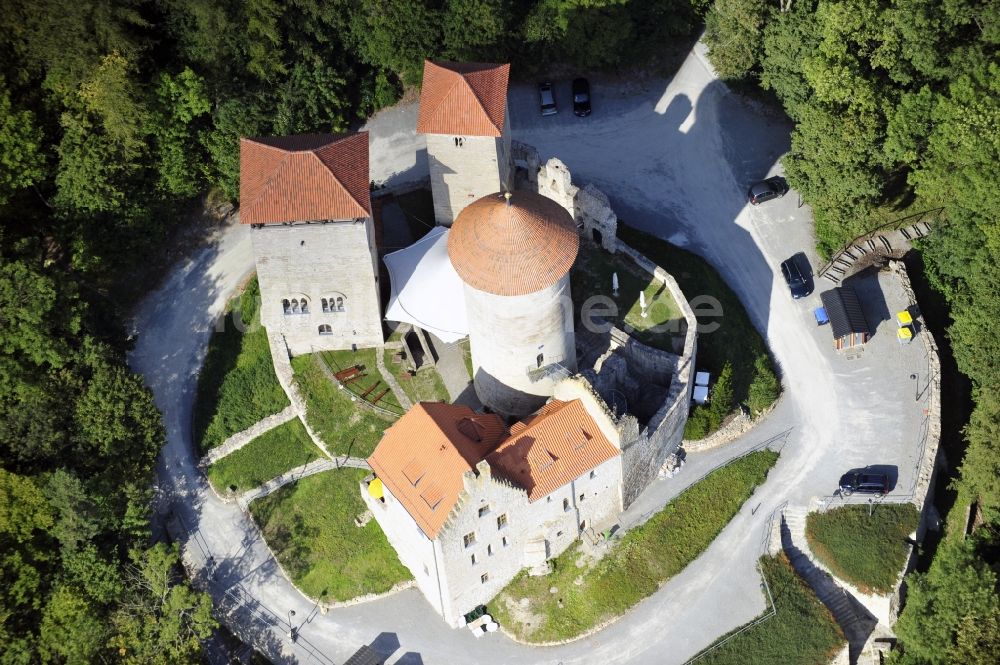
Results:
<point x="547" y="99"/>
<point x="581" y="97"/>
<point x="798" y="284"/>
<point x="765" y="190"/>
<point x="864" y="481"/>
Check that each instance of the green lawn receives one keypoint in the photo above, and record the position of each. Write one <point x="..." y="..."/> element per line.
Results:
<point x="345" y="427"/>
<point x="425" y="386"/>
<point x="802" y="632"/>
<point x="735" y="340"/>
<point x="310" y="526"/>
<point x="868" y="552"/>
<point x="237" y="386"/>
<point x="638" y="565"/>
<point x="268" y="456"/>
<point x="663" y="326"/>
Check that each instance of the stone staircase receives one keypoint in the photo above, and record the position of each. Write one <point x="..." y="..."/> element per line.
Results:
<point x="851" y="616"/>
<point x="892" y="241"/>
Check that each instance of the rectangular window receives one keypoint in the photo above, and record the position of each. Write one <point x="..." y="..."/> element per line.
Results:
<point x="473" y="559"/>
<point x="489" y="550"/>
<point x="565" y="505"/>
<point x="469" y="539"/>
<point x="593" y="474"/>
<point x="426" y="572"/>
<point x="548" y="499"/>
<point x="484" y="511"/>
<point x="581" y="497"/>
<point x="502" y="521"/>
<point x="505" y="541"/>
<point x="558" y="534"/>
<point x="484" y="578"/>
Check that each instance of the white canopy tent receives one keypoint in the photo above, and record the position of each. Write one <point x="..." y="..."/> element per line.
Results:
<point x="426" y="290"/>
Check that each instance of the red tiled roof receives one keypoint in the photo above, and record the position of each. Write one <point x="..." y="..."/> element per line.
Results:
<point x="464" y="98"/>
<point x="515" y="247"/>
<point x="304" y="178"/>
<point x="423" y="455"/>
<point x="556" y="445"/>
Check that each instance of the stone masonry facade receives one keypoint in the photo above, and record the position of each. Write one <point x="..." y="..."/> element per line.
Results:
<point x="493" y="532"/>
<point x="464" y="169"/>
<point x="331" y="266"/>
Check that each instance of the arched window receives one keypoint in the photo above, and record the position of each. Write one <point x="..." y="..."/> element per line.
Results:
<point x="286" y="306"/>
<point x="305" y="306"/>
<point x="295" y="305"/>
<point x="325" y="329"/>
<point x="340" y="303"/>
<point x="326" y="305"/>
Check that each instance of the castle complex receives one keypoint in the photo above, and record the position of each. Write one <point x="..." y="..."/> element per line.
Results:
<point x="573" y="424"/>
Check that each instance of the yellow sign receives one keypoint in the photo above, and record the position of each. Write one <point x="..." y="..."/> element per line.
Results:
<point x="375" y="489"/>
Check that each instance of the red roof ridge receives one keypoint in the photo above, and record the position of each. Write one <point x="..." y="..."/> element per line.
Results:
<point x="467" y="98"/>
<point x="306" y="177"/>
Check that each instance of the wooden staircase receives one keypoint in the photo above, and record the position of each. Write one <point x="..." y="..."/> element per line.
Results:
<point x="890" y="240"/>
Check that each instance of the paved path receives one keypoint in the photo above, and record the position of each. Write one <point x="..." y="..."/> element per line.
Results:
<point x="675" y="159"/>
<point x="390" y="379"/>
<point x="298" y="473"/>
<point x="240" y="439"/>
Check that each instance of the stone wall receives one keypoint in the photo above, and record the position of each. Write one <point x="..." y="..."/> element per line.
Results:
<point x="313" y="261"/>
<point x="643" y="456"/>
<point x="466" y="168"/>
<point x="589" y="206"/>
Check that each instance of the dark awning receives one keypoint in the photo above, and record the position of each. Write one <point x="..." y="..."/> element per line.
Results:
<point x="844" y="310"/>
<point x="365" y="656"/>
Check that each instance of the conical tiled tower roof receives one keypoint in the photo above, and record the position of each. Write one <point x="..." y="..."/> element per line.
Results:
<point x="463" y="98"/>
<point x="513" y="244"/>
<point x="304" y="178"/>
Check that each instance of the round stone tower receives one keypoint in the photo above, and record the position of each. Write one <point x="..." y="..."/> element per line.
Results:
<point x="513" y="252"/>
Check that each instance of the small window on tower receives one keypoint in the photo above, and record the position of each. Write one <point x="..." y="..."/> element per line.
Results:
<point x="540" y="359"/>
<point x="502" y="521"/>
<point x="469" y="539"/>
<point x="325" y="329"/>
<point x="484" y="511"/>
<point x="565" y="504"/>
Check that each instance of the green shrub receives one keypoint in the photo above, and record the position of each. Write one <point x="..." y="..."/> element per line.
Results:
<point x="765" y="387"/>
<point x="722" y="396"/>
<point x="698" y="424"/>
<point x="865" y="547"/>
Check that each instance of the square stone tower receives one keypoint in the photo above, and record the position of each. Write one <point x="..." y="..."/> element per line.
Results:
<point x="306" y="199"/>
<point x="463" y="112"/>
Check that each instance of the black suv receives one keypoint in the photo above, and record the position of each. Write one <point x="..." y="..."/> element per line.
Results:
<point x="765" y="190"/>
<point x="798" y="283"/>
<point x="864" y="481"/>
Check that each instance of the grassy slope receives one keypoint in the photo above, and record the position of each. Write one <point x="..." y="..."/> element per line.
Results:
<point x="735" y="341"/>
<point x="868" y="552"/>
<point x="802" y="632"/>
<point x="237" y="386"/>
<point x="425" y="386"/>
<point x="345" y="427"/>
<point x="310" y="527"/>
<point x="646" y="557"/>
<point x="266" y="457"/>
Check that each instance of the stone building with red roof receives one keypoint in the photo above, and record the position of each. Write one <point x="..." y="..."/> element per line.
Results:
<point x="463" y="114"/>
<point x="468" y="503"/>
<point x="306" y="200"/>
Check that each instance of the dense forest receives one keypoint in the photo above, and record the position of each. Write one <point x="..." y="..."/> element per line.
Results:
<point x="117" y="115"/>
<point x="896" y="108"/>
<point x="116" y="118"/>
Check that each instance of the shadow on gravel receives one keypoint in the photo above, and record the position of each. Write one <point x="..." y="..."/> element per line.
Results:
<point x="852" y="617"/>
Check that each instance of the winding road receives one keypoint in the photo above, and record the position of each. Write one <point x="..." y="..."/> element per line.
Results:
<point x="675" y="157"/>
